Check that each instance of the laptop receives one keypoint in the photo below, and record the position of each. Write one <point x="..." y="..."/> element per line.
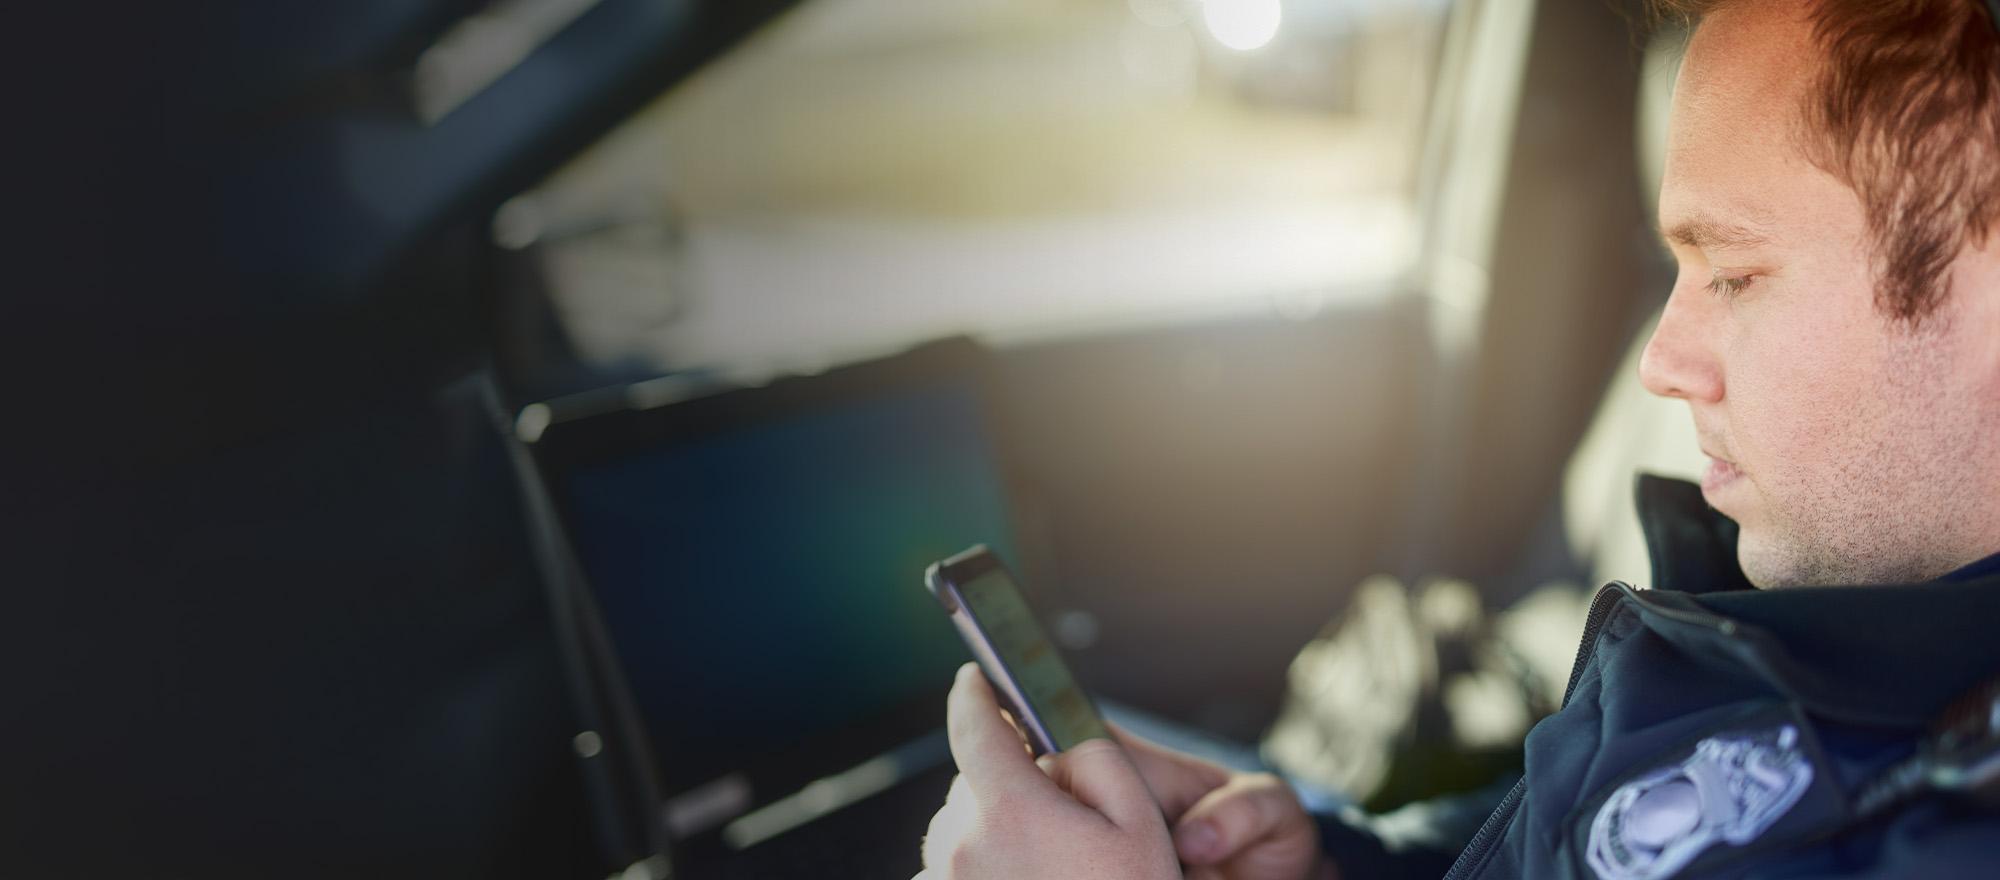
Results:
<point x="757" y="555"/>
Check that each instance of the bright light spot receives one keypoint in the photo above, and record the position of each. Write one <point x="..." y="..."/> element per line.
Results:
<point x="1076" y="630"/>
<point x="518" y="223"/>
<point x="1486" y="709"/>
<point x="1242" y="24"/>
<point x="532" y="421"/>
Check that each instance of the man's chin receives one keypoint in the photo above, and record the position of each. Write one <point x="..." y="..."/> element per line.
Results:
<point x="1770" y="564"/>
<point x="1764" y="565"/>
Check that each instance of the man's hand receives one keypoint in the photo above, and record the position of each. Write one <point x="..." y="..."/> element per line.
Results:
<point x="1230" y="826"/>
<point x="1084" y="814"/>
<point x="1101" y="812"/>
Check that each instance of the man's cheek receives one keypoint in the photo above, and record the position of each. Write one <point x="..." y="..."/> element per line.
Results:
<point x="1785" y="420"/>
<point x="1800" y="379"/>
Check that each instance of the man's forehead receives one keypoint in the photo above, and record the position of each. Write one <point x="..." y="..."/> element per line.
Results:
<point x="1734" y="159"/>
<point x="1756" y="51"/>
<point x="1745" y="76"/>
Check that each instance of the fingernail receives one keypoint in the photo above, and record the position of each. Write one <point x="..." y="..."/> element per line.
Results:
<point x="1200" y="839"/>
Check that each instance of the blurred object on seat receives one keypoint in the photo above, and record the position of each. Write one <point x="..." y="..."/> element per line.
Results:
<point x="1418" y="691"/>
<point x="1354" y="693"/>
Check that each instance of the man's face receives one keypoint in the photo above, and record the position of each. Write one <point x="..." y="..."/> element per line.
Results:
<point x="1849" y="447"/>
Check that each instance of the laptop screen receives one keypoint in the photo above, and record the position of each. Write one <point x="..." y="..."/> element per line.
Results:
<point x="762" y="583"/>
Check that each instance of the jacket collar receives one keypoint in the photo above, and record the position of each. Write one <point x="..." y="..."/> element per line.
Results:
<point x="1692" y="546"/>
<point x="1984" y="568"/>
<point x="1883" y="654"/>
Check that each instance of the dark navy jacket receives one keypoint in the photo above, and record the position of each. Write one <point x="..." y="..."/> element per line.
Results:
<point x="1785" y="704"/>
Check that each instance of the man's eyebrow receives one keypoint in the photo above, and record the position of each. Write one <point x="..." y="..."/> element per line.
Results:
<point x="1707" y="233"/>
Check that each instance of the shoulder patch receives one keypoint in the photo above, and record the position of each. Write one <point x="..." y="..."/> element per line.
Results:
<point x="1729" y="790"/>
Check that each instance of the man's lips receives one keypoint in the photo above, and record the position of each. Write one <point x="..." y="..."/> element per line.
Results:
<point x="1720" y="475"/>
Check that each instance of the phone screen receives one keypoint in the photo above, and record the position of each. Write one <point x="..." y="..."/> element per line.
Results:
<point x="1045" y="683"/>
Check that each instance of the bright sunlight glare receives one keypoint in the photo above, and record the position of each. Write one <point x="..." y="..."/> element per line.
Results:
<point x="1242" y="24"/>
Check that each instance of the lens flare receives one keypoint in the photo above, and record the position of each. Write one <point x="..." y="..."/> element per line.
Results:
<point x="1242" y="25"/>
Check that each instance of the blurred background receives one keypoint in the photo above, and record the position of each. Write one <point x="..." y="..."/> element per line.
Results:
<point x="504" y="437"/>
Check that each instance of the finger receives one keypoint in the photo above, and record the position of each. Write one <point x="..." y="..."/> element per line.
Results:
<point x="949" y="826"/>
<point x="1176" y="779"/>
<point x="990" y="755"/>
<point x="1250" y="809"/>
<point x="1098" y="774"/>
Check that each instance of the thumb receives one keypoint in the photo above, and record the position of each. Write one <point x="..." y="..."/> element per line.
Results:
<point x="1177" y="780"/>
<point x="1250" y="810"/>
<point x="1101" y="776"/>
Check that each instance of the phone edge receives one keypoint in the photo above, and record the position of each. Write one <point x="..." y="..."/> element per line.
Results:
<point x="1004" y="685"/>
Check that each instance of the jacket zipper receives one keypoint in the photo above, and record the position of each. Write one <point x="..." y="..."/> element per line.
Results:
<point x="1474" y="854"/>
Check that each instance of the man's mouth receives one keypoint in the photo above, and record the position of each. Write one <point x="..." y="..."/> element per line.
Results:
<point x="1719" y="477"/>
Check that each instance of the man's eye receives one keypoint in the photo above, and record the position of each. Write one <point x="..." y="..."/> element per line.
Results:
<point x="1728" y="286"/>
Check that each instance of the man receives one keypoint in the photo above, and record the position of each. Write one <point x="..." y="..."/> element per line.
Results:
<point x="1831" y="194"/>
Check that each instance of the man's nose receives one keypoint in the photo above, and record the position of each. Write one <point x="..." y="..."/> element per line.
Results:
<point x="1679" y="361"/>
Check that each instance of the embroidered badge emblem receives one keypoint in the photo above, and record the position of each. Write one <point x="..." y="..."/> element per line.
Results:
<point x="1729" y="790"/>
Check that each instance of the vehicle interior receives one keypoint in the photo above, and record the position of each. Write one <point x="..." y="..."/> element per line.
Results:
<point x="523" y="457"/>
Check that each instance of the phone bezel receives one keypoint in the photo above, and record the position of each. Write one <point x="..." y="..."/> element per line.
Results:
<point x="943" y="579"/>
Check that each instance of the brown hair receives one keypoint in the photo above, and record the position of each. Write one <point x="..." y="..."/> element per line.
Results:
<point x="1906" y="111"/>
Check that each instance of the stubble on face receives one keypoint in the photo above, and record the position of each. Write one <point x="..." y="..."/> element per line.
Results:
<point x="1881" y="493"/>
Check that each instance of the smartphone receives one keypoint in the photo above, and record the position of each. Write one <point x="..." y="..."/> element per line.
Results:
<point x="1030" y="677"/>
